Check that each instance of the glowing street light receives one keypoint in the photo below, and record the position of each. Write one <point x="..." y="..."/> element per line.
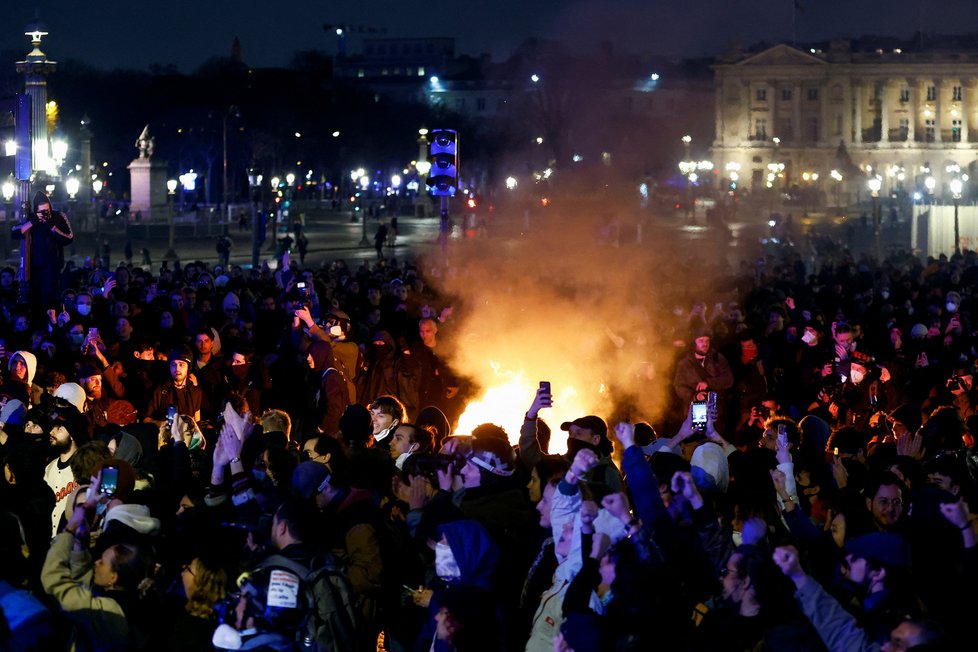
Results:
<point x="189" y="181"/>
<point x="290" y="178"/>
<point x="396" y="181"/>
<point x="59" y="150"/>
<point x="534" y="78"/>
<point x="8" y="189"/>
<point x="71" y="185"/>
<point x="511" y="183"/>
<point x="423" y="167"/>
<point x="10" y="147"/>
<point x="171" y="186"/>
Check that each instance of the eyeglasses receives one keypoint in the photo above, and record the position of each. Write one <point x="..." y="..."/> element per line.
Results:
<point x="726" y="570"/>
<point x="886" y="503"/>
<point x="310" y="455"/>
<point x="188" y="568"/>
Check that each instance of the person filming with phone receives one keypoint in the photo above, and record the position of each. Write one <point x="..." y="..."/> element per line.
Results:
<point x="47" y="233"/>
<point x="701" y="371"/>
<point x="105" y="598"/>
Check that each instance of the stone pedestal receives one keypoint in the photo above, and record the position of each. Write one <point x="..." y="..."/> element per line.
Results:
<point x="148" y="189"/>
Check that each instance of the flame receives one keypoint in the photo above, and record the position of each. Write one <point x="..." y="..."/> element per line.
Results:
<point x="507" y="397"/>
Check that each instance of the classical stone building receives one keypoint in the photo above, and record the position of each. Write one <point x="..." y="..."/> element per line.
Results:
<point x="831" y="118"/>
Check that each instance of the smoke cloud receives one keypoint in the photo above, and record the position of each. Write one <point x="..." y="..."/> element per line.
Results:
<point x="574" y="299"/>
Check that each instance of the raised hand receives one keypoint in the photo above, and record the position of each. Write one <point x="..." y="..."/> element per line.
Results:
<point x="786" y="558"/>
<point x="542" y="399"/>
<point x="584" y="461"/>
<point x="626" y="434"/>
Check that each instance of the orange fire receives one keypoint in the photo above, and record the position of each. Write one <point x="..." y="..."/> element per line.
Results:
<point x="507" y="398"/>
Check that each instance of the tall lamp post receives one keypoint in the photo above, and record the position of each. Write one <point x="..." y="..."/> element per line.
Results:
<point x="71" y="186"/>
<point x="232" y="111"/>
<point x="171" y="191"/>
<point x="97" y="186"/>
<point x="930" y="183"/>
<point x="874" y="187"/>
<point x="8" y="189"/>
<point x="956" y="186"/>
<point x="255" y="179"/>
<point x="364" y="184"/>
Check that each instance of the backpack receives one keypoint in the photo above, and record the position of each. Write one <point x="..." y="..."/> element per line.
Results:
<point x="331" y="619"/>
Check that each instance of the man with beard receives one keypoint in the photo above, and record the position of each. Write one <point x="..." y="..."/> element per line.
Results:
<point x="877" y="569"/>
<point x="67" y="430"/>
<point x="177" y="391"/>
<point x="702" y="371"/>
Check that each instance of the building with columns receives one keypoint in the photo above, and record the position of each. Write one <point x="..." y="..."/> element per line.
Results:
<point x="830" y="118"/>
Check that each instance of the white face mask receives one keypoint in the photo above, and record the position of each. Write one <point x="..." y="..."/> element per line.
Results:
<point x="951" y="307"/>
<point x="84" y="309"/>
<point x="885" y="294"/>
<point x="399" y="462"/>
<point x="857" y="376"/>
<point x="808" y="337"/>
<point x="445" y="565"/>
<point x="335" y="330"/>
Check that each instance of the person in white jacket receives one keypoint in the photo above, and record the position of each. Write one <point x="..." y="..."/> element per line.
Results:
<point x="565" y="522"/>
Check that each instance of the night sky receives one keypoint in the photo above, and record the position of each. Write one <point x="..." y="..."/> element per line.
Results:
<point x="138" y="33"/>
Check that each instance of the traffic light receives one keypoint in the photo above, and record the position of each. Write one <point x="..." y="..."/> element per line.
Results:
<point x="443" y="156"/>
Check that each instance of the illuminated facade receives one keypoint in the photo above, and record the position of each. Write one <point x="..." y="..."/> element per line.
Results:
<point x="840" y="115"/>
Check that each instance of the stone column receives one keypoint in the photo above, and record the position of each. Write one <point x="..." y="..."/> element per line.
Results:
<point x="857" y="127"/>
<point x="939" y="87"/>
<point x="747" y="104"/>
<point x="721" y="130"/>
<point x="965" y="109"/>
<point x="884" y="112"/>
<point x="912" y="110"/>
<point x="773" y="103"/>
<point x="799" y="135"/>
<point x="824" y="135"/>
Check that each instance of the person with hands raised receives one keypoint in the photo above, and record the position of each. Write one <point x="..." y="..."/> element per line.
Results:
<point x="531" y="451"/>
<point x="95" y="596"/>
<point x="839" y="629"/>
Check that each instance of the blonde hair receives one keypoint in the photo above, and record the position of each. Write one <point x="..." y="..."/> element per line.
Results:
<point x="210" y="585"/>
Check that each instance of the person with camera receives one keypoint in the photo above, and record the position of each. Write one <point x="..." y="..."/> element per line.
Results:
<point x="47" y="233"/>
<point x="104" y="598"/>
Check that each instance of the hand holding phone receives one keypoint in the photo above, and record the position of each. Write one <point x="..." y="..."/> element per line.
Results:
<point x="782" y="436"/>
<point x="110" y="480"/>
<point x="699" y="415"/>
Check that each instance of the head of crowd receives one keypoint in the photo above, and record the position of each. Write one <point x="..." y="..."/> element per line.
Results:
<point x="211" y="458"/>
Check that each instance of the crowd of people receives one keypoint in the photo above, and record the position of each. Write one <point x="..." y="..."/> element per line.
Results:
<point x="205" y="458"/>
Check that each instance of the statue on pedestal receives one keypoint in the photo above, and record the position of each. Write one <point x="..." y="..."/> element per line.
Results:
<point x="145" y="143"/>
